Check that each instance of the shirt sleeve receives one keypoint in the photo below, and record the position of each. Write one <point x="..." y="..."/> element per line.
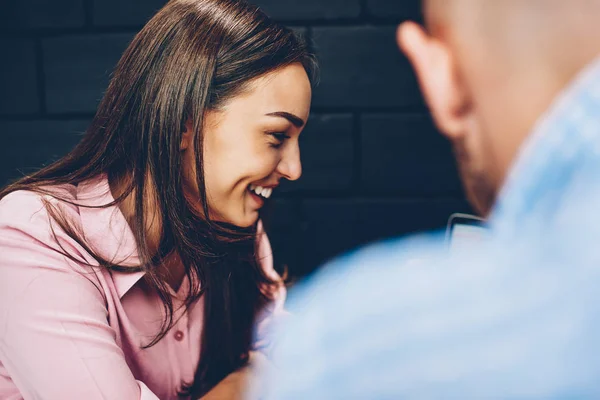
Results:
<point x="55" y="340"/>
<point x="274" y="313"/>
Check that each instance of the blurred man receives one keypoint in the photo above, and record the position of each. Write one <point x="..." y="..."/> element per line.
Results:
<point x="515" y="86"/>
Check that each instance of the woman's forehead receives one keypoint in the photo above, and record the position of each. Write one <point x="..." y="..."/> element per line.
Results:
<point x="285" y="90"/>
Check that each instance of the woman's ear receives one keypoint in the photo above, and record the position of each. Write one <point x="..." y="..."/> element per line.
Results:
<point x="435" y="69"/>
<point x="186" y="136"/>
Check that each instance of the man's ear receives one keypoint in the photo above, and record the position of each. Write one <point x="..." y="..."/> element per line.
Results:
<point x="186" y="136"/>
<point x="435" y="70"/>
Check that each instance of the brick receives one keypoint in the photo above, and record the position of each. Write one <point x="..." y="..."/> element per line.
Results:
<point x="384" y="219"/>
<point x="18" y="77"/>
<point x="406" y="154"/>
<point x="331" y="229"/>
<point x="283" y="221"/>
<point x="309" y="9"/>
<point x="32" y="14"/>
<point x="337" y="226"/>
<point x="77" y="70"/>
<point x="125" y="12"/>
<point x="400" y="10"/>
<point x="27" y="146"/>
<point x="363" y="67"/>
<point x="326" y="148"/>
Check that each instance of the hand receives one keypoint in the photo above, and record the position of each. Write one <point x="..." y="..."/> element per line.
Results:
<point x="246" y="383"/>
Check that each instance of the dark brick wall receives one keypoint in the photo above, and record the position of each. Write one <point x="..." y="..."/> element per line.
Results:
<point x="374" y="165"/>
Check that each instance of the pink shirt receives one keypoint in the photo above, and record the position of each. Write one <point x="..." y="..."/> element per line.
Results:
<point x="67" y="333"/>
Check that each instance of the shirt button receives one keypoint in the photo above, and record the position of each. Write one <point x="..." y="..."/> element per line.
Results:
<point x="179" y="336"/>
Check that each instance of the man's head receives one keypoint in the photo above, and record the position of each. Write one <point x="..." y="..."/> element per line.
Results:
<point x="490" y="68"/>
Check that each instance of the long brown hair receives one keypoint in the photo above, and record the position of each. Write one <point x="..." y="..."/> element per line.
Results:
<point x="193" y="56"/>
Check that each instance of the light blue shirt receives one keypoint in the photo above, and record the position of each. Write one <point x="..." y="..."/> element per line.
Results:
<point x="519" y="318"/>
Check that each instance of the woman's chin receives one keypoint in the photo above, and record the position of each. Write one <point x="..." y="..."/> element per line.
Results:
<point x="247" y="220"/>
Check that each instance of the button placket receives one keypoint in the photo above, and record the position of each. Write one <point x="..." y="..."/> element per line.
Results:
<point x="182" y="349"/>
<point x="181" y="328"/>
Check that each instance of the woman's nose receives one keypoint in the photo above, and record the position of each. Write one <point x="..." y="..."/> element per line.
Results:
<point x="290" y="166"/>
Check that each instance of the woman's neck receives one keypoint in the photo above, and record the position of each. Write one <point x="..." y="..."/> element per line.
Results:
<point x="172" y="269"/>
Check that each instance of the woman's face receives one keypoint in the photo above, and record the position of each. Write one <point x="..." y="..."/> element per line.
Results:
<point x="250" y="144"/>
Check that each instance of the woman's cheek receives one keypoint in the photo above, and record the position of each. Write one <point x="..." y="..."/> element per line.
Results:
<point x="263" y="166"/>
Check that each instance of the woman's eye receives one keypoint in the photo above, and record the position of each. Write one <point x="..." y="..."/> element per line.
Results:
<point x="280" y="139"/>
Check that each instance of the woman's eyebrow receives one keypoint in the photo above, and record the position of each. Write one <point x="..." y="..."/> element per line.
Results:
<point x="295" y="120"/>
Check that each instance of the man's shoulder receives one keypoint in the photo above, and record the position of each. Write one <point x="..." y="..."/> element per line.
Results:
<point x="344" y="312"/>
<point x="360" y="288"/>
<point x="373" y="324"/>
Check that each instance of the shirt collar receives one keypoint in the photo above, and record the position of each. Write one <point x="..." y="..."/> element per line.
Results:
<point x="107" y="232"/>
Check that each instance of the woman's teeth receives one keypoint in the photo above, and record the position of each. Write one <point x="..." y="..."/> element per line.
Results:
<point x="261" y="191"/>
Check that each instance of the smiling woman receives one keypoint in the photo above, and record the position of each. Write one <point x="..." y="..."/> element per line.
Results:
<point x="136" y="266"/>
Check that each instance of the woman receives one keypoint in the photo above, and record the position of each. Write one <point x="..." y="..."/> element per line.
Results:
<point x="129" y="269"/>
